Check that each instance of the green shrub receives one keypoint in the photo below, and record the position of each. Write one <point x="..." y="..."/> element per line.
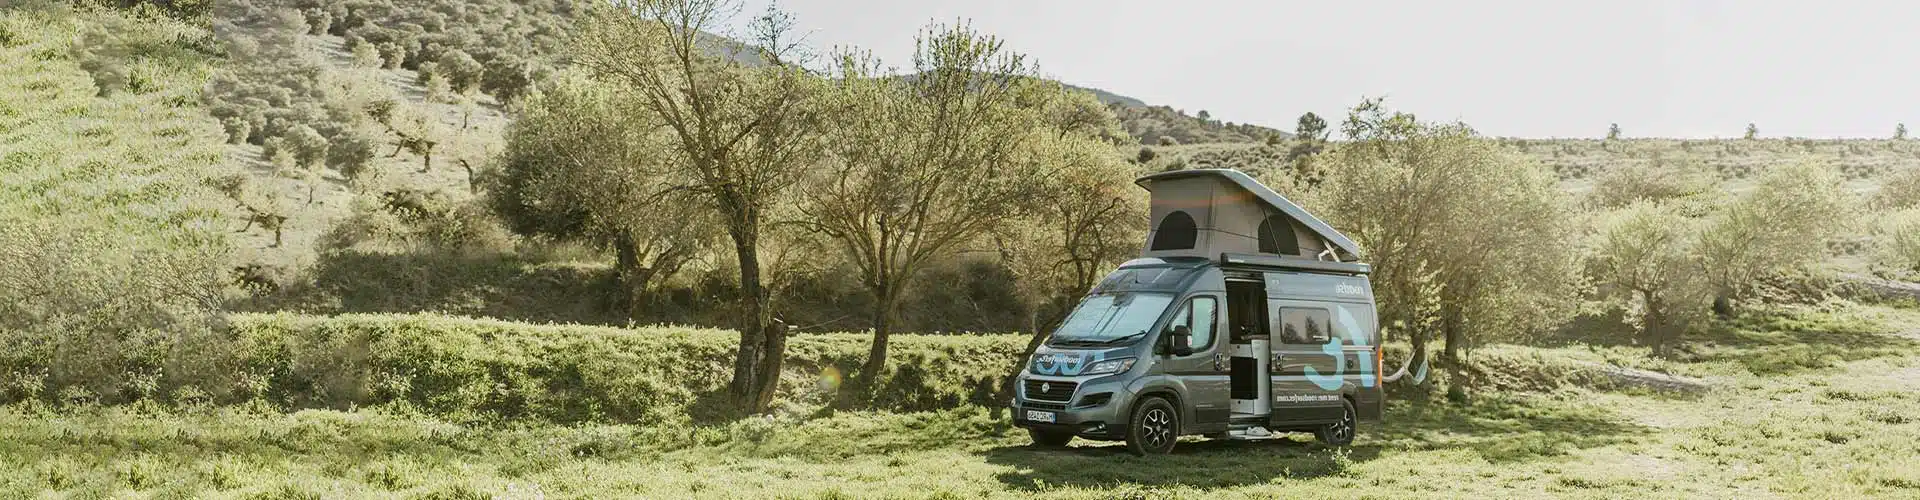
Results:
<point x="1897" y="244"/>
<point x="1651" y="181"/>
<point x="238" y="130"/>
<point x="320" y="20"/>
<point x="352" y="152"/>
<point x="309" y="148"/>
<point x="462" y="72"/>
<point x="1900" y="190"/>
<point x="507" y="77"/>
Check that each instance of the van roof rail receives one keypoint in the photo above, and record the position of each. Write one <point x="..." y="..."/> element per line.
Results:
<point x="1293" y="263"/>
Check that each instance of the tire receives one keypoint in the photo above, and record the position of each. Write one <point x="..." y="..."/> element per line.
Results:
<point x="1153" y="428"/>
<point x="1340" y="433"/>
<point x="1049" y="439"/>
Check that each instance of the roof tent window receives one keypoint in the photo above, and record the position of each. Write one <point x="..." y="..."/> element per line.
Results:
<point x="1276" y="236"/>
<point x="1177" y="232"/>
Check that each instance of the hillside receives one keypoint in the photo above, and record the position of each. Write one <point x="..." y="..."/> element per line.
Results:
<point x="110" y="229"/>
<point x="467" y="126"/>
<point x="1111" y="98"/>
<point x="1149" y="123"/>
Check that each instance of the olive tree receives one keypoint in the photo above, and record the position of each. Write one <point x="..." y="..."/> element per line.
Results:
<point x="1782" y="225"/>
<point x="739" y="131"/>
<point x="461" y="72"/>
<point x="1440" y="210"/>
<point x="1091" y="219"/>
<point x="578" y="165"/>
<point x="922" y="164"/>
<point x="1644" y="255"/>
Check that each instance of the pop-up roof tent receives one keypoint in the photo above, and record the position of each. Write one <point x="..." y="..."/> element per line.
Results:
<point x="1213" y="212"/>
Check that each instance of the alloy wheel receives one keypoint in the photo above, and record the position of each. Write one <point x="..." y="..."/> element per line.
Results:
<point x="1343" y="430"/>
<point x="1158" y="426"/>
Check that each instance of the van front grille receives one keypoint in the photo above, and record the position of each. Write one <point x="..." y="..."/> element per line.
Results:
<point x="1036" y="405"/>
<point x="1050" y="390"/>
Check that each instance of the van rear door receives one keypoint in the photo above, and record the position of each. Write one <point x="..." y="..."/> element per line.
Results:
<point x="1307" y="379"/>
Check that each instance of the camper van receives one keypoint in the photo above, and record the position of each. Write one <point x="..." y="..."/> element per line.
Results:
<point x="1245" y="317"/>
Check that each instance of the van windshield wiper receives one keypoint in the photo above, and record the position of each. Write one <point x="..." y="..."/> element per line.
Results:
<point x="1124" y="338"/>
<point x="1062" y="341"/>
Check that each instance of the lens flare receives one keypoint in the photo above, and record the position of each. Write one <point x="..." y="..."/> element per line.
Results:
<point x="829" y="379"/>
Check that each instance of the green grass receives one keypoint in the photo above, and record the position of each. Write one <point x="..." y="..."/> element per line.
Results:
<point x="1844" y="427"/>
<point x="489" y="370"/>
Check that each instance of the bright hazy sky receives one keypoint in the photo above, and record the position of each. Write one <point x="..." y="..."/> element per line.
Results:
<point x="1509" y="68"/>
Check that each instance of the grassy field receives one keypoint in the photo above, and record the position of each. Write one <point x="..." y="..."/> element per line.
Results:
<point x="1805" y="403"/>
<point x="123" y="376"/>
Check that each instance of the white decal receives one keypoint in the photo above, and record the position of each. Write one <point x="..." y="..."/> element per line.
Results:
<point x="1305" y="398"/>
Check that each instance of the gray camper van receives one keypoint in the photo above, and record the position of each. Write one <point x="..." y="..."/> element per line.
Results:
<point x="1244" y="317"/>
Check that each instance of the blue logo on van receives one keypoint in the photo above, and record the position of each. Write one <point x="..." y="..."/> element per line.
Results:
<point x="1334" y="348"/>
<point x="1065" y="363"/>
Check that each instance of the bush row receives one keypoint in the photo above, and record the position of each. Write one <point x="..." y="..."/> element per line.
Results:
<point x="474" y="369"/>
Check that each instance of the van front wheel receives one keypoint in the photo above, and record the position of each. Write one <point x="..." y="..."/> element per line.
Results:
<point x="1049" y="439"/>
<point x="1153" y="428"/>
<point x="1339" y="433"/>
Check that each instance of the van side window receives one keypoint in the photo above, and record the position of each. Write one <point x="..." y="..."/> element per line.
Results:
<point x="1199" y="316"/>
<point x="1299" y="325"/>
<point x="1350" y="324"/>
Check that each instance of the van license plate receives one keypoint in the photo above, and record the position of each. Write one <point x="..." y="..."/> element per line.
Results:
<point x="1040" y="416"/>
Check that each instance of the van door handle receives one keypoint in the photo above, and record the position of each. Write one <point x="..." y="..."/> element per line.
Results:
<point x="1219" y="362"/>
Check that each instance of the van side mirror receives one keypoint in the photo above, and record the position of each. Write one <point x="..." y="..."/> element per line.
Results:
<point x="1180" y="341"/>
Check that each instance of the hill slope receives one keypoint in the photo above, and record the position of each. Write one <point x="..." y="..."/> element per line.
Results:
<point x="109" y="231"/>
<point x="1148" y="123"/>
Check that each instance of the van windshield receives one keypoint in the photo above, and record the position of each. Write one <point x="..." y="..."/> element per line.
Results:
<point x="1112" y="319"/>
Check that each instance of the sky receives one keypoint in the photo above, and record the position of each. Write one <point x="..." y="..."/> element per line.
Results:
<point x="1694" y="69"/>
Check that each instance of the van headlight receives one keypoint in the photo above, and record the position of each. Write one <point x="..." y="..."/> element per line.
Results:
<point x="1109" y="366"/>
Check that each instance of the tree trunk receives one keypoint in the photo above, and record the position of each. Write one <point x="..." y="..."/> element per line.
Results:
<point x="1723" y="306"/>
<point x="1653" y="327"/>
<point x="748" y="381"/>
<point x="627" y="263"/>
<point x="1035" y="338"/>
<point x="1451" y="330"/>
<point x="882" y="329"/>
<point x="775" y="349"/>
